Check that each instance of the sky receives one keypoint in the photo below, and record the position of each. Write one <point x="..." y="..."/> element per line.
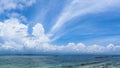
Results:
<point x="59" y="27"/>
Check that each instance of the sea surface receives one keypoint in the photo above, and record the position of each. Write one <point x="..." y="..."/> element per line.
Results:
<point x="59" y="61"/>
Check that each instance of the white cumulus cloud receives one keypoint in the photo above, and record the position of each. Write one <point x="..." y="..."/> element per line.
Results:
<point x="14" y="37"/>
<point x="6" y="5"/>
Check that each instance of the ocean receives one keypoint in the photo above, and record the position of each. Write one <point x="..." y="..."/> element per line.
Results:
<point x="59" y="61"/>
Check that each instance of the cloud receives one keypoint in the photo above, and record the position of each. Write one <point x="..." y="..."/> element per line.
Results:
<point x="15" y="39"/>
<point x="6" y="5"/>
<point x="12" y="28"/>
<point x="16" y="15"/>
<point x="79" y="8"/>
<point x="81" y="48"/>
<point x="15" y="34"/>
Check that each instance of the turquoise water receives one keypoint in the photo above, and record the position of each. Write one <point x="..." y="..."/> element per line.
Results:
<point x="66" y="61"/>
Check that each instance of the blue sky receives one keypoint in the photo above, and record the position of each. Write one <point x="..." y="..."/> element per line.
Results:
<point x="55" y="26"/>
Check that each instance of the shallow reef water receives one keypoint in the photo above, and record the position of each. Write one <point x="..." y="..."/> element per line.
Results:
<point x="59" y="61"/>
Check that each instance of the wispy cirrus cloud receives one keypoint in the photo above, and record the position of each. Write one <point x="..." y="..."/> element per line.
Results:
<point x="79" y="8"/>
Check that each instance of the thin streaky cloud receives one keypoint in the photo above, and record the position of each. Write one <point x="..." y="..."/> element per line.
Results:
<point x="80" y="8"/>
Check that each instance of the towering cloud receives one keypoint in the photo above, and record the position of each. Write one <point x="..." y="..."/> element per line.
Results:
<point x="14" y="35"/>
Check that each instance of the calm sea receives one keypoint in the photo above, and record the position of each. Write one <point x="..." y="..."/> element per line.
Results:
<point x="53" y="61"/>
